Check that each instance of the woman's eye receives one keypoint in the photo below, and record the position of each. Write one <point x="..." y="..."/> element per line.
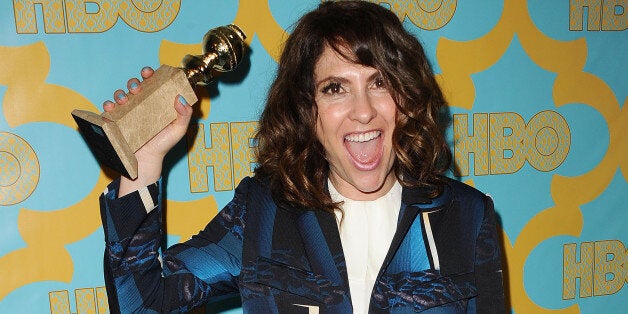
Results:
<point x="379" y="83"/>
<point x="332" y="88"/>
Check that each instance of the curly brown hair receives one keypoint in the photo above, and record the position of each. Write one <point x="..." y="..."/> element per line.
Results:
<point x="289" y="155"/>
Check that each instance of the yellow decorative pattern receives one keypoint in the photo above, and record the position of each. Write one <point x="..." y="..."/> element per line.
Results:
<point x="255" y="18"/>
<point x="19" y="169"/>
<point x="88" y="300"/>
<point x="26" y="22"/>
<point x="94" y="16"/>
<point x="149" y="15"/>
<point x="45" y="257"/>
<point x="242" y="157"/>
<point x="547" y="140"/>
<point x="85" y="301"/>
<point x="426" y="14"/>
<point x="572" y="85"/>
<point x="47" y="234"/>
<point x="467" y="142"/>
<point x="59" y="302"/>
<point x="102" y="301"/>
<point x="216" y="155"/>
<point x="22" y="68"/>
<point x="573" y="270"/>
<point x="500" y="142"/>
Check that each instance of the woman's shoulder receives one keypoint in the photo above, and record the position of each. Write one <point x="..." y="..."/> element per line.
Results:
<point x="253" y="192"/>
<point x="466" y="196"/>
<point x="252" y="184"/>
<point x="462" y="190"/>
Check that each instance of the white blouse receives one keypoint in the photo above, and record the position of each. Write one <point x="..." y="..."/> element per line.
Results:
<point x="366" y="231"/>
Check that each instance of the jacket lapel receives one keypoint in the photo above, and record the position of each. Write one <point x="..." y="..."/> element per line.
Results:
<point x="323" y="250"/>
<point x="322" y="245"/>
<point x="410" y="198"/>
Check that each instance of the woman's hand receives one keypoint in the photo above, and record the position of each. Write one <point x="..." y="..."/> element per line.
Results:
<point x="150" y="156"/>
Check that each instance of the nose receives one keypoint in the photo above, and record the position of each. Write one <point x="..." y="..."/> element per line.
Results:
<point x="363" y="109"/>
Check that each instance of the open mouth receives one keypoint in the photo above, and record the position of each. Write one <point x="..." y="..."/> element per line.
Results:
<point x="365" y="148"/>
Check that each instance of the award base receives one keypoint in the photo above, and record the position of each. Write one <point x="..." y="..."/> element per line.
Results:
<point x="115" y="136"/>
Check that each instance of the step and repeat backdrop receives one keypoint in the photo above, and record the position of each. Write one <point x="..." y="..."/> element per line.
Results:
<point x="538" y="92"/>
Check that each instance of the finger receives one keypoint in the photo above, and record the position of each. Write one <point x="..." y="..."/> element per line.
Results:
<point x="134" y="86"/>
<point x="120" y="97"/>
<point x="184" y="110"/>
<point x="147" y="72"/>
<point x="108" y="105"/>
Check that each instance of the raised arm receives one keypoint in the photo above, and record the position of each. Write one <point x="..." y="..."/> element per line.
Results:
<point x="140" y="277"/>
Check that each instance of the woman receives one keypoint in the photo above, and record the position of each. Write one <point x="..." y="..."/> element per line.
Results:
<point x="347" y="212"/>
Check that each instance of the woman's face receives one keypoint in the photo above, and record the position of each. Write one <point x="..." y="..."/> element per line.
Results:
<point x="356" y="119"/>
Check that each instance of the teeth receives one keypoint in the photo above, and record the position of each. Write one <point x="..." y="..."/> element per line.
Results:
<point x="363" y="137"/>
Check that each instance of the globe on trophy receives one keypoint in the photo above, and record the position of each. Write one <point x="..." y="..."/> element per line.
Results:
<point x="114" y="136"/>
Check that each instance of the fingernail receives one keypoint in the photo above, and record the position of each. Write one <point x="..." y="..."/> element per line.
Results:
<point x="182" y="100"/>
<point x="107" y="103"/>
<point x="133" y="85"/>
<point x="145" y="69"/>
<point x="120" y="96"/>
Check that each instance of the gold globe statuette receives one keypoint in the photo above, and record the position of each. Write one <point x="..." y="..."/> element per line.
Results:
<point x="115" y="136"/>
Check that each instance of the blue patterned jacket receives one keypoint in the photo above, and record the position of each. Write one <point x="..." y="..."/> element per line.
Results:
<point x="288" y="260"/>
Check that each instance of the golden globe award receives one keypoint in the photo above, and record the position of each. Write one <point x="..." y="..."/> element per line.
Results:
<point x="115" y="136"/>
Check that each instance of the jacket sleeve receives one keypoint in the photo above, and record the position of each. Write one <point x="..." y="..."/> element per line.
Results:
<point x="140" y="279"/>
<point x="488" y="266"/>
